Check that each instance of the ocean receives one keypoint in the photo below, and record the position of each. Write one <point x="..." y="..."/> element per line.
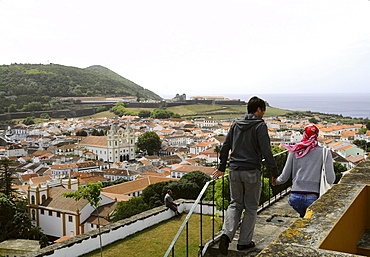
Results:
<point x="348" y="105"/>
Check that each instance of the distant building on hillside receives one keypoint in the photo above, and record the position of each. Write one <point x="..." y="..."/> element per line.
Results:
<point x="179" y="98"/>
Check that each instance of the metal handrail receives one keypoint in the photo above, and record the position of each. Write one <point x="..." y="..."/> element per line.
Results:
<point x="195" y="204"/>
<point x="188" y="217"/>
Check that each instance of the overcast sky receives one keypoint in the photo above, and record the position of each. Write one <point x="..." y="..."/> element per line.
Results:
<point x="202" y="47"/>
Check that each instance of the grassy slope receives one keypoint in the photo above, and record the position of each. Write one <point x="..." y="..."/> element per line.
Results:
<point x="111" y="74"/>
<point x="215" y="111"/>
<point x="155" y="240"/>
<point x="220" y="112"/>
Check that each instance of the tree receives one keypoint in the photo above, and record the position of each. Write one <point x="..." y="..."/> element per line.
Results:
<point x="45" y="116"/>
<point x="221" y="194"/>
<point x="91" y="193"/>
<point x="28" y="121"/>
<point x="129" y="208"/>
<point x="44" y="241"/>
<point x="161" y="114"/>
<point x="149" y="142"/>
<point x="280" y="160"/>
<point x="7" y="213"/>
<point x="361" y="144"/>
<point x="176" y="116"/>
<point x="119" y="109"/>
<point x="81" y="133"/>
<point x="190" y="185"/>
<point x="6" y="178"/>
<point x="313" y="120"/>
<point x="368" y="124"/>
<point x="97" y="132"/>
<point x="154" y="194"/>
<point x="362" y="131"/>
<point x="21" y="225"/>
<point x="32" y="106"/>
<point x="144" y="114"/>
<point x="338" y="169"/>
<point x="12" y="108"/>
<point x="101" y="109"/>
<point x="14" y="220"/>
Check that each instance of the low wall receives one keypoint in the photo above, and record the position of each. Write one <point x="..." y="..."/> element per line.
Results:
<point x="89" y="241"/>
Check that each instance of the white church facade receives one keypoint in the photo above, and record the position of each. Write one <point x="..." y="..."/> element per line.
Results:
<point x="118" y="145"/>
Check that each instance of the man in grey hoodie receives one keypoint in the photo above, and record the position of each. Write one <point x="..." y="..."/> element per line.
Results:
<point x="247" y="142"/>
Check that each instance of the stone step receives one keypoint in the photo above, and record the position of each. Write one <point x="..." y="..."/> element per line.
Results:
<point x="270" y="223"/>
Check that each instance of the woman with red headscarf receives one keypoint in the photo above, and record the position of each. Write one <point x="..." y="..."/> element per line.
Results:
<point x="304" y="165"/>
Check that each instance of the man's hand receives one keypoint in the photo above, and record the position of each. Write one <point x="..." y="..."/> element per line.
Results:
<point x="273" y="181"/>
<point x="217" y="173"/>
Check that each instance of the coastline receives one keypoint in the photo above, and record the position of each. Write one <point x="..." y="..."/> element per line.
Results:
<point x="353" y="105"/>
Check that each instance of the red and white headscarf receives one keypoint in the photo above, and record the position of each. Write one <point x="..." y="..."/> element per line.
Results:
<point x="307" y="144"/>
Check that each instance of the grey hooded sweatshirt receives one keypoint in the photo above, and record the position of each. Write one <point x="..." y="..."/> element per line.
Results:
<point x="249" y="142"/>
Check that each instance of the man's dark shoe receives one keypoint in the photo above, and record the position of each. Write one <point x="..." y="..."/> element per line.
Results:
<point x="224" y="244"/>
<point x="245" y="247"/>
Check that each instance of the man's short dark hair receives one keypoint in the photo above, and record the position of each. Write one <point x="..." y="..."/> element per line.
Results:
<point x="168" y="190"/>
<point x="254" y="103"/>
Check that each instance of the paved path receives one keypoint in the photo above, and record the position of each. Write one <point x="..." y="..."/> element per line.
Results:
<point x="270" y="223"/>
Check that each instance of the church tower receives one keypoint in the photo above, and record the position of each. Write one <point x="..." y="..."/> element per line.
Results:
<point x="113" y="141"/>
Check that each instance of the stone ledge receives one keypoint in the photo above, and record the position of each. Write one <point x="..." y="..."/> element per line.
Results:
<point x="304" y="235"/>
<point x="278" y="249"/>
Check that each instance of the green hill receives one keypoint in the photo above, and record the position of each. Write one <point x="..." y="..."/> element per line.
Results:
<point x="24" y="83"/>
<point x="135" y="87"/>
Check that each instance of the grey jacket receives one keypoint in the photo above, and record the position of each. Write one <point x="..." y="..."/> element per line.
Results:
<point x="306" y="171"/>
<point x="248" y="141"/>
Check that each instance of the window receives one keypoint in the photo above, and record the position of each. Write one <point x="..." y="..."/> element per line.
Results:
<point x="33" y="199"/>
<point x="70" y="218"/>
<point x="50" y="213"/>
<point x="33" y="215"/>
<point x="43" y="198"/>
<point x="58" y="214"/>
<point x="42" y="211"/>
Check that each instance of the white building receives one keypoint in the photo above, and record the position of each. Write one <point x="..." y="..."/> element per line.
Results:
<point x="176" y="140"/>
<point x="16" y="150"/>
<point x="206" y="122"/>
<point x="116" y="146"/>
<point x="59" y="216"/>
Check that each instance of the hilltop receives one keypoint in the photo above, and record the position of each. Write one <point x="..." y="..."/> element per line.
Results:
<point x="24" y="83"/>
<point x="141" y="92"/>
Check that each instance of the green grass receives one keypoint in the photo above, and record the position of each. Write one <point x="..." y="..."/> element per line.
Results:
<point x="202" y="110"/>
<point x="154" y="241"/>
<point x="219" y="111"/>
